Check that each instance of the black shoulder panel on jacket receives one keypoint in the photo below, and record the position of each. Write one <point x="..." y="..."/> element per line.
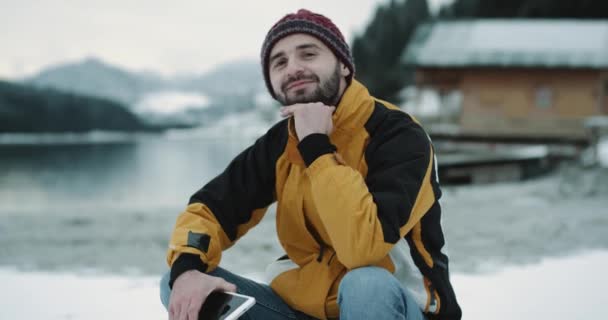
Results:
<point x="398" y="156"/>
<point x="247" y="184"/>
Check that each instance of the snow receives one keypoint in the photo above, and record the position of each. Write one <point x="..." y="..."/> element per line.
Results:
<point x="603" y="152"/>
<point x="556" y="288"/>
<point x="246" y="126"/>
<point x="422" y="103"/>
<point x="68" y="296"/>
<point x="508" y="42"/>
<point x="171" y="102"/>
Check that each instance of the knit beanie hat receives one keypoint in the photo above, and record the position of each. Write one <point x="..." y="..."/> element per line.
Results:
<point x="311" y="23"/>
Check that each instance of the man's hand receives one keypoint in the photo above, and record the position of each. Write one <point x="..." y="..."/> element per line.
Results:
<point x="189" y="292"/>
<point x="310" y="118"/>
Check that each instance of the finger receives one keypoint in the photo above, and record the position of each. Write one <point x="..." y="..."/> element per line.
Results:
<point x="173" y="308"/>
<point x="227" y="286"/>
<point x="287" y="110"/>
<point x="294" y="107"/>
<point x="178" y="313"/>
<point x="193" y="310"/>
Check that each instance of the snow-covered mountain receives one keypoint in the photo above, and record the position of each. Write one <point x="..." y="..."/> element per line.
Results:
<point x="242" y="77"/>
<point x="98" y="78"/>
<point x="94" y="77"/>
<point x="171" y="107"/>
<point x="184" y="100"/>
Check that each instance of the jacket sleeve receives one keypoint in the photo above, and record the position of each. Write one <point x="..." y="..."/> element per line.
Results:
<point x="227" y="207"/>
<point x="365" y="217"/>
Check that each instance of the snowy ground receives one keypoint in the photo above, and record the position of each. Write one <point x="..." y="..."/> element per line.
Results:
<point x="556" y="288"/>
<point x="518" y="251"/>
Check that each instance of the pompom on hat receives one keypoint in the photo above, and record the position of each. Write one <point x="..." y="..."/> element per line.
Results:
<point x="314" y="24"/>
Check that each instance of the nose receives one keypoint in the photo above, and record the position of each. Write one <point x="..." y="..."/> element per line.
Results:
<point x="294" y="69"/>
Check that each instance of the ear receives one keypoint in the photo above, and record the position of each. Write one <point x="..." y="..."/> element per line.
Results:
<point x="344" y="71"/>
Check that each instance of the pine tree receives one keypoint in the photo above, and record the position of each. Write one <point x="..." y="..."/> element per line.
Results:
<point x="378" y="51"/>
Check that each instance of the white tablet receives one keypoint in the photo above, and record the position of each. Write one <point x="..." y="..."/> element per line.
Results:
<point x="225" y="306"/>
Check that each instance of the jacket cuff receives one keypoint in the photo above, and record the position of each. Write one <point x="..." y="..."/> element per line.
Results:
<point x="314" y="146"/>
<point x="186" y="262"/>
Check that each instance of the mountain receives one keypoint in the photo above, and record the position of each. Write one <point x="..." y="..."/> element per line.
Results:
<point x="97" y="78"/>
<point x="242" y="77"/>
<point x="184" y="100"/>
<point x="25" y="108"/>
<point x="94" y="77"/>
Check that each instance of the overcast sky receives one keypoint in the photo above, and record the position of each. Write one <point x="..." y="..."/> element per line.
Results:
<point x="165" y="36"/>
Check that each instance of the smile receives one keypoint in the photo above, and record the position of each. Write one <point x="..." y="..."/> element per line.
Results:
<point x="299" y="83"/>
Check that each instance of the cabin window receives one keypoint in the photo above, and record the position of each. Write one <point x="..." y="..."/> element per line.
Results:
<point x="544" y="97"/>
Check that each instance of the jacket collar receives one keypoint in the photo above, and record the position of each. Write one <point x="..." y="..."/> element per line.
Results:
<point x="353" y="110"/>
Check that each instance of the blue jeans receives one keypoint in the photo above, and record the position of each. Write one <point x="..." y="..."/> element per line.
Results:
<point x="364" y="293"/>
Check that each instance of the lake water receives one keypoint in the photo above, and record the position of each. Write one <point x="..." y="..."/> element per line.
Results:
<point x="110" y="207"/>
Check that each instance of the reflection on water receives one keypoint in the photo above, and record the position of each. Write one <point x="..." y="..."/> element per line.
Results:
<point x="108" y="206"/>
<point x="143" y="173"/>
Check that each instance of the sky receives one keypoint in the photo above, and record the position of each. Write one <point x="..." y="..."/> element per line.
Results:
<point x="183" y="36"/>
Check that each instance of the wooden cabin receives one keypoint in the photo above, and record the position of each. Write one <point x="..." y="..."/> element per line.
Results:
<point x="515" y="78"/>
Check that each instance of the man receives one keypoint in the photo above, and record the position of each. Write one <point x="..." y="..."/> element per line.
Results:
<point x="356" y="185"/>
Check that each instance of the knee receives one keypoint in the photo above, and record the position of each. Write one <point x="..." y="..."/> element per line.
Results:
<point x="165" y="291"/>
<point x="369" y="283"/>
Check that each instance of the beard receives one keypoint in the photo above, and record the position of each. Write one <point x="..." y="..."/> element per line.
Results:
<point x="326" y="92"/>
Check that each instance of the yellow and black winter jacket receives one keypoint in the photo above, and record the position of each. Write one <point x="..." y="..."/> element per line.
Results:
<point x="366" y="195"/>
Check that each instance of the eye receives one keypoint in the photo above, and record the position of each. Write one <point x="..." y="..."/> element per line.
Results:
<point x="309" y="54"/>
<point x="279" y="63"/>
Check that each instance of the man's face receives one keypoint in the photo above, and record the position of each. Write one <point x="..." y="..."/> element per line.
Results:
<point x="302" y="69"/>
